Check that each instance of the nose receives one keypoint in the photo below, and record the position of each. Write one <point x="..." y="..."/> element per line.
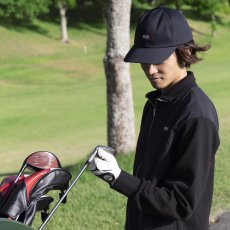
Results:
<point x="149" y="69"/>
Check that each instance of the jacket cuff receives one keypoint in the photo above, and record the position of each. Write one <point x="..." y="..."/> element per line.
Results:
<point x="126" y="184"/>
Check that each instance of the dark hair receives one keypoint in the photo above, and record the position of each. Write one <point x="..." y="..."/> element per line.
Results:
<point x="187" y="53"/>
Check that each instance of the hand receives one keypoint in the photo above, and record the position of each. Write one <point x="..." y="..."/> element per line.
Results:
<point x="105" y="166"/>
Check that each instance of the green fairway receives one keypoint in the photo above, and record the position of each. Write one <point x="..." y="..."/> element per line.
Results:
<point x="53" y="97"/>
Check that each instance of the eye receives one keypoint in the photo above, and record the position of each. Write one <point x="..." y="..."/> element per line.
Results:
<point x="145" y="65"/>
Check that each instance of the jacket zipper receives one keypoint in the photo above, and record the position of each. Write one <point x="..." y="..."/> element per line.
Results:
<point x="153" y="118"/>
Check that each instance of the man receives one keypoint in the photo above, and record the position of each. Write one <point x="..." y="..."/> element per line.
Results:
<point x="172" y="182"/>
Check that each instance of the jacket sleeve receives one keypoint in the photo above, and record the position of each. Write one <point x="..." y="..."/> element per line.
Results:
<point x="180" y="192"/>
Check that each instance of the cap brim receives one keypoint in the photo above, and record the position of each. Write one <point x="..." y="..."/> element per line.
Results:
<point x="149" y="55"/>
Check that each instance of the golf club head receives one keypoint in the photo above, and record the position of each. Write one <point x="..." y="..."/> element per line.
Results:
<point x="42" y="160"/>
<point x="106" y="148"/>
<point x="36" y="161"/>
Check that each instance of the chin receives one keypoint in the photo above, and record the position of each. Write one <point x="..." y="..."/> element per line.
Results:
<point x="156" y="86"/>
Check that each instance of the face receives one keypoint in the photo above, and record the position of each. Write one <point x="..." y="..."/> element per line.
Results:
<point x="166" y="74"/>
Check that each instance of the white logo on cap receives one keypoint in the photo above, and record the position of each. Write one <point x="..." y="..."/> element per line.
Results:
<point x="146" y="36"/>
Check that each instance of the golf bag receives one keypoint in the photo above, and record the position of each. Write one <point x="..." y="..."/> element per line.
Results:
<point x="21" y="196"/>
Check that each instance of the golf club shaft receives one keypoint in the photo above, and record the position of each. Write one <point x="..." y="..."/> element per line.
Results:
<point x="12" y="187"/>
<point x="69" y="188"/>
<point x="19" y="174"/>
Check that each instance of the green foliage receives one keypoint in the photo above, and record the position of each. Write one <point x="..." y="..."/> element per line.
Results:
<point x="203" y="7"/>
<point x="23" y="9"/>
<point x="28" y="9"/>
<point x="208" y="8"/>
<point x="69" y="4"/>
<point x="177" y="3"/>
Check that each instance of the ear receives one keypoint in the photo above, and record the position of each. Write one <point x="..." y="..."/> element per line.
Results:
<point x="188" y="52"/>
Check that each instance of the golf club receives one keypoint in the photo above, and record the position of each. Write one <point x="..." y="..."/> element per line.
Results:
<point x="88" y="161"/>
<point x="36" y="161"/>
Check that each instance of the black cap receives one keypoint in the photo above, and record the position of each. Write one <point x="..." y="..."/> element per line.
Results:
<point x="158" y="33"/>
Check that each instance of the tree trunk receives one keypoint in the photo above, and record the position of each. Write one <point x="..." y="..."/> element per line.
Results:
<point x="178" y="6"/>
<point x="64" y="31"/>
<point x="120" y="114"/>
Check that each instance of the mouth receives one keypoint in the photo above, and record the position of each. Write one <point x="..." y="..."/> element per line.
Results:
<point x="155" y="78"/>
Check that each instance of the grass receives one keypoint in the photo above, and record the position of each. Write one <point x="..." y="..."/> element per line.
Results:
<point x="47" y="90"/>
<point x="53" y="97"/>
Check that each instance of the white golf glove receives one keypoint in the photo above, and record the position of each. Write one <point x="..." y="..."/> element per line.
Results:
<point x="105" y="166"/>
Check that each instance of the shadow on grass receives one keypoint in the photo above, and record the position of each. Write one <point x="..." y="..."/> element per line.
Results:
<point x="86" y="17"/>
<point x="21" y="26"/>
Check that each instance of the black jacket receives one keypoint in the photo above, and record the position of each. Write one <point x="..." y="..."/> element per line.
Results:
<point x="173" y="172"/>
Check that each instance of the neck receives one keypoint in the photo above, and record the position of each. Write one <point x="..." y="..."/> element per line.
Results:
<point x="182" y="74"/>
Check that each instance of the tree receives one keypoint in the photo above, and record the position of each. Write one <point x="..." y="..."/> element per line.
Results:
<point x="63" y="6"/>
<point x="207" y="8"/>
<point x="23" y="9"/>
<point x="120" y="117"/>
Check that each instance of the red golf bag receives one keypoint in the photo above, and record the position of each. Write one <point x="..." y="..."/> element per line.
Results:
<point x="22" y="196"/>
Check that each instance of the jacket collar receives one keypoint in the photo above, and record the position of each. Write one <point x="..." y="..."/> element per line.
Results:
<point x="182" y="86"/>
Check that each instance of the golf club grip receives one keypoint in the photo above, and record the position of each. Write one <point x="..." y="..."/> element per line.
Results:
<point x="107" y="149"/>
<point x="94" y="153"/>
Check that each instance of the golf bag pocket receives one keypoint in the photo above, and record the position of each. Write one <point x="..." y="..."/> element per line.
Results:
<point x="28" y="195"/>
